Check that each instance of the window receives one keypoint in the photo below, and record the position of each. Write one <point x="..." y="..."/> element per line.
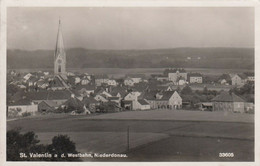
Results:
<point x="59" y="69"/>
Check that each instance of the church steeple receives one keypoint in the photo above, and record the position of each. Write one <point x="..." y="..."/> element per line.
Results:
<point x="59" y="55"/>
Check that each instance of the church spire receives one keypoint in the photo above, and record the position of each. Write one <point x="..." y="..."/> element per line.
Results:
<point x="59" y="43"/>
<point x="59" y="54"/>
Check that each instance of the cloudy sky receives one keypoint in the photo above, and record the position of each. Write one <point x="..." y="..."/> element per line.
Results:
<point x="130" y="28"/>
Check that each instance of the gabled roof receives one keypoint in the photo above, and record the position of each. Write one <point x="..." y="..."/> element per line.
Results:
<point x="242" y="76"/>
<point x="143" y="102"/>
<point x="50" y="103"/>
<point x="227" y="97"/>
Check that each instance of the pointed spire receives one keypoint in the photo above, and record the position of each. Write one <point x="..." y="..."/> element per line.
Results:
<point x="59" y="43"/>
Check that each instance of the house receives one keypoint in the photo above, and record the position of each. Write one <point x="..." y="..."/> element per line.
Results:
<point x="206" y="106"/>
<point x="175" y="74"/>
<point x="90" y="103"/>
<point x="156" y="87"/>
<point x="112" y="82"/>
<point x="101" y="98"/>
<point x="163" y="100"/>
<point x="27" y="76"/>
<point x="239" y="79"/>
<point x="32" y="81"/>
<point x="142" y="104"/>
<point x="73" y="104"/>
<point x="181" y="81"/>
<point x="129" y="82"/>
<point x="225" y="79"/>
<point x="195" y="78"/>
<point x="58" y="96"/>
<point x="114" y="99"/>
<point x="101" y="79"/>
<point x="250" y="76"/>
<point x="132" y="96"/>
<point x="136" y="77"/>
<point x="47" y="106"/>
<point x="119" y="91"/>
<point x="22" y="107"/>
<point x="226" y="101"/>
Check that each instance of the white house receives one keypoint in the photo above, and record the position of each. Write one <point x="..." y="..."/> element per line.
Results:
<point x="112" y="82"/>
<point x="21" y="107"/>
<point x="129" y="82"/>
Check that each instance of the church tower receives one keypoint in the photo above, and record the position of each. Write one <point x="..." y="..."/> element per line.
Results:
<point x="60" y="55"/>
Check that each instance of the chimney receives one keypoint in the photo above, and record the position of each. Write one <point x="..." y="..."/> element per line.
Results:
<point x="72" y="95"/>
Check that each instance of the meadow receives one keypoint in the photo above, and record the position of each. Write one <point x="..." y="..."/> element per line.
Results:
<point x="158" y="135"/>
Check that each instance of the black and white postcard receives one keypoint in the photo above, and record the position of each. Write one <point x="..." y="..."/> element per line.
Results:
<point x="89" y="82"/>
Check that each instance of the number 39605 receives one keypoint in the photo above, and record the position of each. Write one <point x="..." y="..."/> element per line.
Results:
<point x="226" y="155"/>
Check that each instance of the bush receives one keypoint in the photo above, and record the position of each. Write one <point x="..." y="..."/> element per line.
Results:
<point x="24" y="114"/>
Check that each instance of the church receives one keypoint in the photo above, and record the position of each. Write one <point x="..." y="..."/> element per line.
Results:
<point x="60" y="74"/>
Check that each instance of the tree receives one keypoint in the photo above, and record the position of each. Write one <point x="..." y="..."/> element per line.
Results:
<point x="62" y="144"/>
<point x="186" y="90"/>
<point x="22" y="143"/>
<point x="28" y="143"/>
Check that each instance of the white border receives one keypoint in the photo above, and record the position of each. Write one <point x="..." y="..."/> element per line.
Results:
<point x="123" y="3"/>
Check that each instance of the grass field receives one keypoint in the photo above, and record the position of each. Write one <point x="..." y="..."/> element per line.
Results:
<point x="154" y="135"/>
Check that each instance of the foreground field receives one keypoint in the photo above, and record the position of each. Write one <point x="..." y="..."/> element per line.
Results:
<point x="160" y="137"/>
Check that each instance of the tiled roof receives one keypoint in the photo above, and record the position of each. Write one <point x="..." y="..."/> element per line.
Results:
<point x="50" y="103"/>
<point x="195" y="75"/>
<point x="243" y="76"/>
<point x="143" y="102"/>
<point x="25" y="101"/>
<point x="113" y="98"/>
<point x="49" y="95"/>
<point x="227" y="97"/>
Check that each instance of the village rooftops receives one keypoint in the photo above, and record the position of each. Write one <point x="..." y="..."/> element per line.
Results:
<point x="227" y="97"/>
<point x="166" y="95"/>
<point x="49" y="95"/>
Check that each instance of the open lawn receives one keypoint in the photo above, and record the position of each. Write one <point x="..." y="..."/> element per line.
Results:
<point x="154" y="135"/>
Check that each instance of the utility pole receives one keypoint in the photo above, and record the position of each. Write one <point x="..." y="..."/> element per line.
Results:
<point x="128" y="138"/>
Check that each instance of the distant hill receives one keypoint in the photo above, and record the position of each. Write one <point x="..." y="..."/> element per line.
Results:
<point x="233" y="58"/>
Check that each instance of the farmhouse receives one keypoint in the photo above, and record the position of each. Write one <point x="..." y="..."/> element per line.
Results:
<point x="101" y="79"/>
<point x="22" y="107"/>
<point x="175" y="74"/>
<point x="163" y="100"/>
<point x="226" y="101"/>
<point x="195" y="78"/>
<point x="239" y="79"/>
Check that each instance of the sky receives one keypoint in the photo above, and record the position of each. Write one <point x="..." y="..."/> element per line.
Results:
<point x="32" y="28"/>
